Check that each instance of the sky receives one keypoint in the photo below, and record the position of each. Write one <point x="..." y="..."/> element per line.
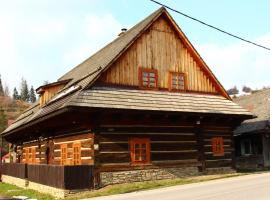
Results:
<point x="41" y="40"/>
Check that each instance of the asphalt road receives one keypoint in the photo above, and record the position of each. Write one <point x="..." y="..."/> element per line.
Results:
<point x="249" y="187"/>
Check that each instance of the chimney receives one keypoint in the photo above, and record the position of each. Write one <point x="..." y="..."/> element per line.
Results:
<point x="123" y="30"/>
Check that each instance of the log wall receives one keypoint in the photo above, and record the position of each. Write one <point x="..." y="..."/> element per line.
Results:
<point x="171" y="148"/>
<point x="212" y="161"/>
<point x="54" y="145"/>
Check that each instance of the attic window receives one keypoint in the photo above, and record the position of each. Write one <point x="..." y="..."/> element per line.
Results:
<point x="177" y="81"/>
<point x="148" y="78"/>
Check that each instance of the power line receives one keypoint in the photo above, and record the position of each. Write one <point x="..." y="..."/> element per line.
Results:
<point x="211" y="26"/>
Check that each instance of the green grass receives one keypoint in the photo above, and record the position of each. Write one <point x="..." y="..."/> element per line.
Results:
<point x="131" y="187"/>
<point x="9" y="190"/>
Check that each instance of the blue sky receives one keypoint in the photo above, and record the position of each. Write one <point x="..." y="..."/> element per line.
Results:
<point x="41" y="40"/>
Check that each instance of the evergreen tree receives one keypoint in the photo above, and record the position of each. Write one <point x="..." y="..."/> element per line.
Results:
<point x="246" y="89"/>
<point x="1" y="88"/>
<point x="3" y="120"/>
<point x="24" y="91"/>
<point x="3" y="126"/>
<point x="233" y="91"/>
<point x="32" y="95"/>
<point x="16" y="94"/>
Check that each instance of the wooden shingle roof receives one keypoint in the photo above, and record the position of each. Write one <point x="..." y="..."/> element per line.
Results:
<point x="257" y="103"/>
<point x="117" y="98"/>
<point x="85" y="74"/>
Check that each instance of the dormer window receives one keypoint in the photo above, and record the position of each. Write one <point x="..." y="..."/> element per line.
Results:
<point x="48" y="91"/>
<point x="177" y="81"/>
<point x="148" y="78"/>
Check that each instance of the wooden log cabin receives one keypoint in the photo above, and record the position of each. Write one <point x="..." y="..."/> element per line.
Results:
<point x="144" y="107"/>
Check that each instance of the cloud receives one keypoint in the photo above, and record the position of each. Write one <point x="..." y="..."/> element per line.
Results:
<point x="43" y="41"/>
<point x="239" y="63"/>
<point x="46" y="46"/>
<point x="97" y="31"/>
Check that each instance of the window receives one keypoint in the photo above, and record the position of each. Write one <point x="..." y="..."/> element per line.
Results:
<point x="217" y="145"/>
<point x="148" y="78"/>
<point x="76" y="153"/>
<point x="177" y="81"/>
<point x="33" y="160"/>
<point x="246" y="147"/>
<point x="64" y="154"/>
<point x="140" y="150"/>
<point x="26" y="155"/>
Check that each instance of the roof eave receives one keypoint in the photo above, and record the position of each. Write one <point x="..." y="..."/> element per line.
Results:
<point x="35" y="121"/>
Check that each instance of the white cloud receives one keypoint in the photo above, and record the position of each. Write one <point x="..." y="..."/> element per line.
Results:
<point x="41" y="43"/>
<point x="45" y="31"/>
<point x="46" y="46"/>
<point x="239" y="63"/>
<point x="97" y="31"/>
<point x="8" y="51"/>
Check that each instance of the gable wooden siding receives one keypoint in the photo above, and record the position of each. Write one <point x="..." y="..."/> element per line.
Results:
<point x="159" y="48"/>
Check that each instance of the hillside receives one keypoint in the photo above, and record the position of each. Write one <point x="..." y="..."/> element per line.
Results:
<point x="12" y="108"/>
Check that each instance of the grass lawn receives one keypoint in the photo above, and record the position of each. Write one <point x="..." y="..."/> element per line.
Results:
<point x="9" y="190"/>
<point x="131" y="187"/>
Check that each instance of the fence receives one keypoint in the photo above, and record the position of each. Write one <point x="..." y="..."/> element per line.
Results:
<point x="64" y="177"/>
<point x="18" y="170"/>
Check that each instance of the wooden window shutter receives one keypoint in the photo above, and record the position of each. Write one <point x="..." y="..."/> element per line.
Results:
<point x="33" y="158"/>
<point x="218" y="146"/>
<point x="76" y="153"/>
<point x="64" y="154"/>
<point x="26" y="155"/>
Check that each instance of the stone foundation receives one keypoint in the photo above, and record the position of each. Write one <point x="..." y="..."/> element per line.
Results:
<point x="108" y="178"/>
<point x="219" y="170"/>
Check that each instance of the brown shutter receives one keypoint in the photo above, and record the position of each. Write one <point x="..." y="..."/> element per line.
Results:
<point x="33" y="155"/>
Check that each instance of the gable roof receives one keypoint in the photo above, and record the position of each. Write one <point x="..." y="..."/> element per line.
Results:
<point x="107" y="55"/>
<point x="88" y="71"/>
<point x="259" y="104"/>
